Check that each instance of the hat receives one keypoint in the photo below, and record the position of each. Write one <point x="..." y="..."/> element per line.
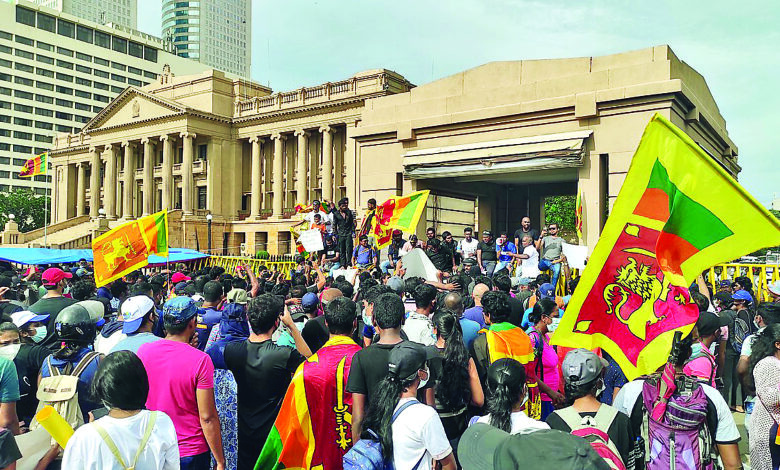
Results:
<point x="477" y="446"/>
<point x="547" y="291"/>
<point x="180" y="288"/>
<point x="343" y="200"/>
<point x="25" y="316"/>
<point x="96" y="309"/>
<point x="724" y="283"/>
<point x="742" y="295"/>
<point x="397" y="284"/>
<point x="54" y="275"/>
<point x="582" y="366"/>
<point x="179" y="277"/>
<point x="487" y="232"/>
<point x="133" y="310"/>
<point x="774" y="288"/>
<point x="310" y="302"/>
<point x="238" y="296"/>
<point x="406" y="358"/>
<point x="708" y="323"/>
<point x="524" y="281"/>
<point x="179" y="310"/>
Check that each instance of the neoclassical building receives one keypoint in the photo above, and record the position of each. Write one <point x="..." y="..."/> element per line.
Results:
<point x="490" y="143"/>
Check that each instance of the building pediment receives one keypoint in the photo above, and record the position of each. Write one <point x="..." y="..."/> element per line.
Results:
<point x="131" y="106"/>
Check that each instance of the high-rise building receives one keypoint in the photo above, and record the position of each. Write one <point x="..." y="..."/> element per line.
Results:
<point x="57" y="71"/>
<point x="119" y="12"/>
<point x="215" y="32"/>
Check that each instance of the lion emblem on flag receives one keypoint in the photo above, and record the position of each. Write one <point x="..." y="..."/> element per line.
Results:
<point x="632" y="296"/>
<point x="120" y="250"/>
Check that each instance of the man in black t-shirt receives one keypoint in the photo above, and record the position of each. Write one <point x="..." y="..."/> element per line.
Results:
<point x="54" y="280"/>
<point x="486" y="253"/>
<point x="439" y="255"/>
<point x="262" y="371"/>
<point x="344" y="226"/>
<point x="329" y="256"/>
<point x="525" y="230"/>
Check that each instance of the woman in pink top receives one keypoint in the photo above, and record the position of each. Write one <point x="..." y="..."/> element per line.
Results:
<point x="544" y="317"/>
<point x="702" y="363"/>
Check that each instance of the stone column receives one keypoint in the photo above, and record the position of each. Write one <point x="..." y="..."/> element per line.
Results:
<point x="278" y="186"/>
<point x="129" y="181"/>
<point x="327" y="163"/>
<point x="167" y="172"/>
<point x="186" y="172"/>
<point x="303" y="155"/>
<point x="81" y="188"/>
<point x="109" y="185"/>
<point x="148" y="207"/>
<point x="94" y="183"/>
<point x="257" y="184"/>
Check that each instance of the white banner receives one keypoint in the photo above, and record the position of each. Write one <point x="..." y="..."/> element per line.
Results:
<point x="311" y="240"/>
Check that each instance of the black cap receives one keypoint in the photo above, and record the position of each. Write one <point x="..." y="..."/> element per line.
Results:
<point x="708" y="323"/>
<point x="406" y="358"/>
<point x="487" y="232"/>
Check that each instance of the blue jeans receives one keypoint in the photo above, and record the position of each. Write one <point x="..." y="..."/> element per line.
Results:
<point x="385" y="266"/>
<point x="555" y="270"/>
<point x="196" y="462"/>
<point x="489" y="266"/>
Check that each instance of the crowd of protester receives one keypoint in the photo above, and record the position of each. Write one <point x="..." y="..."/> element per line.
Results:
<point x="188" y="368"/>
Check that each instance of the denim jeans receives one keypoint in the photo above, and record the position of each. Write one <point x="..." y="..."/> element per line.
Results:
<point x="196" y="462"/>
<point x="555" y="270"/>
<point x="385" y="266"/>
<point x="489" y="266"/>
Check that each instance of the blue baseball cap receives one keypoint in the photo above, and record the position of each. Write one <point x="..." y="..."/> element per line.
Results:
<point x="179" y="310"/>
<point x="309" y="302"/>
<point x="742" y="295"/>
<point x="547" y="291"/>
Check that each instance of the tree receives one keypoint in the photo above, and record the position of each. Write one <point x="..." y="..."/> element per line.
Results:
<point x="30" y="209"/>
<point x="560" y="210"/>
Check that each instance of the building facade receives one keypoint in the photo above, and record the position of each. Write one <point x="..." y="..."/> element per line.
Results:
<point x="217" y="33"/>
<point x="491" y="143"/>
<point x="57" y="71"/>
<point x="118" y="12"/>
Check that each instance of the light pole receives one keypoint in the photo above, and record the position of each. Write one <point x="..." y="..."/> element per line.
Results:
<point x="208" y="220"/>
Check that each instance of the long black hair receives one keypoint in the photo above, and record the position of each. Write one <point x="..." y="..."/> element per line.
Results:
<point x="380" y="410"/>
<point x="544" y="307"/>
<point x="505" y="382"/>
<point x="452" y="391"/>
<point x="764" y="345"/>
<point x="121" y="381"/>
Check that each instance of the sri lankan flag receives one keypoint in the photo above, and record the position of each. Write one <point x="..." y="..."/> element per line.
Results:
<point x="127" y="247"/>
<point x="505" y="340"/>
<point x="578" y="214"/>
<point x="35" y="166"/>
<point x="398" y="212"/>
<point x="300" y="208"/>
<point x="677" y="214"/>
<point x="313" y="429"/>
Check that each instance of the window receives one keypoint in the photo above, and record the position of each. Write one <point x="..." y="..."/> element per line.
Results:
<point x="81" y="119"/>
<point x="5" y="133"/>
<point x="5" y="49"/>
<point x="96" y="109"/>
<point x="64" y="90"/>
<point x="21" y="149"/>
<point x="44" y="125"/>
<point x="65" y="77"/>
<point x="101" y="86"/>
<point x="82" y="106"/>
<point x="43" y="138"/>
<point x="201" y="197"/>
<point x="61" y="115"/>
<point x="151" y="75"/>
<point x="44" y="59"/>
<point x="23" y="81"/>
<point x="5" y="118"/>
<point x="118" y="78"/>
<point x="44" y="72"/>
<point x="64" y="103"/>
<point x="45" y="46"/>
<point x="5" y="91"/>
<point x="202" y="152"/>
<point x="24" y="40"/>
<point x="84" y="34"/>
<point x="23" y="122"/>
<point x="61" y="128"/>
<point x="82" y="69"/>
<point x="22" y="135"/>
<point x="44" y="99"/>
<point x="44" y="112"/>
<point x="47" y="22"/>
<point x="6" y="35"/>
<point x="66" y="28"/>
<point x="25" y="16"/>
<point x="41" y="178"/>
<point x="100" y="73"/>
<point x="102" y="98"/>
<point x="118" y="66"/>
<point x="135" y="71"/>
<point x="85" y="95"/>
<point x="23" y="94"/>
<point x="25" y="54"/>
<point x="23" y="108"/>
<point x="63" y="51"/>
<point x="6" y="63"/>
<point x="150" y="54"/>
<point x="119" y="44"/>
<point x="44" y="86"/>
<point x="136" y="50"/>
<point x="82" y="56"/>
<point x="134" y="82"/>
<point x="64" y="64"/>
<point x="24" y="67"/>
<point x="100" y="61"/>
<point x="5" y="174"/>
<point x="117" y="89"/>
<point x="40" y="191"/>
<point x="102" y="39"/>
<point x="5" y="160"/>
<point x="5" y="105"/>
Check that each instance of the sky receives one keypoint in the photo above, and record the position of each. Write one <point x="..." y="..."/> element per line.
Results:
<point x="734" y="45"/>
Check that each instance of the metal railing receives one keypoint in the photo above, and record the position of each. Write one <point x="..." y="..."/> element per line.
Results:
<point x="274" y="263"/>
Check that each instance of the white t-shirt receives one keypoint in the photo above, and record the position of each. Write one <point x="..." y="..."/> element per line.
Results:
<point x="521" y="423"/>
<point x="726" y="432"/>
<point x="326" y="219"/>
<point x="747" y="345"/>
<point x="104" y="345"/>
<point x="418" y="328"/>
<point x="468" y="249"/>
<point x="530" y="266"/>
<point x="418" y="432"/>
<point x="86" y="450"/>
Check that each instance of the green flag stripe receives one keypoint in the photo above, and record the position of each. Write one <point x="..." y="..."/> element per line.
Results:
<point x="687" y="218"/>
<point x="162" y="233"/>
<point x="409" y="210"/>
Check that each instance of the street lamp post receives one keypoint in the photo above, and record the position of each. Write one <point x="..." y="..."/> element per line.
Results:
<point x="208" y="220"/>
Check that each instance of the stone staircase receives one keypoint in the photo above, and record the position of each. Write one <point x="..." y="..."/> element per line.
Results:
<point x="66" y="238"/>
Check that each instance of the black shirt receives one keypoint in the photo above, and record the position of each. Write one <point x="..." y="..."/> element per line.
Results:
<point x="343" y="224"/>
<point x="520" y="233"/>
<point x="441" y="260"/>
<point x="315" y="333"/>
<point x="488" y="250"/>
<point x="369" y="367"/>
<point x="262" y="372"/>
<point x="620" y="432"/>
<point x="51" y="306"/>
<point x="330" y="252"/>
<point x="28" y="362"/>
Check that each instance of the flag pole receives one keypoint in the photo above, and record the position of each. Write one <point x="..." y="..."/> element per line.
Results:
<point x="46" y="203"/>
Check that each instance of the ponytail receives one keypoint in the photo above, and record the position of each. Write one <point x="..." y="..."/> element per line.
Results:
<point x="381" y="408"/>
<point x="505" y="382"/>
<point x="499" y="405"/>
<point x="453" y="390"/>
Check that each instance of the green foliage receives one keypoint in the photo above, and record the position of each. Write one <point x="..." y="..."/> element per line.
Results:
<point x="29" y="208"/>
<point x="262" y="254"/>
<point x="561" y="210"/>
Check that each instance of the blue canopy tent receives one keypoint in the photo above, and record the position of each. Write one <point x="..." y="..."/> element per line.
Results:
<point x="52" y="256"/>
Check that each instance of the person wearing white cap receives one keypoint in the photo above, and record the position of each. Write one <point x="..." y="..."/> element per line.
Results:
<point x="138" y="319"/>
<point x="29" y="360"/>
<point x="774" y="290"/>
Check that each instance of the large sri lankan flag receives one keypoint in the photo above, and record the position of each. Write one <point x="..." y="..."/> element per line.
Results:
<point x="314" y="427"/>
<point x="127" y="247"/>
<point x="677" y="214"/>
<point x="35" y="166"/>
<point x="398" y="212"/>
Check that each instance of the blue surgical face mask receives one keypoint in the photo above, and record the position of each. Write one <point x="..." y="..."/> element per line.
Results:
<point x="40" y="333"/>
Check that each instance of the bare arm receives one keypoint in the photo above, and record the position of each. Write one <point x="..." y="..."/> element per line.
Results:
<point x="742" y="369"/>
<point x="729" y="453"/>
<point x="209" y="422"/>
<point x="320" y="275"/>
<point x="358" y="413"/>
<point x="477" y="394"/>
<point x="253" y="281"/>
<point x="448" y="463"/>
<point x="8" y="418"/>
<point x="300" y="343"/>
<point x="703" y="289"/>
<point x="479" y="258"/>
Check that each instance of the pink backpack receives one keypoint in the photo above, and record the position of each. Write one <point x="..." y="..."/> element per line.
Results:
<point x="594" y="430"/>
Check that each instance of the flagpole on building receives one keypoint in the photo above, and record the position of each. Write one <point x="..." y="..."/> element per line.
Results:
<point x="46" y="203"/>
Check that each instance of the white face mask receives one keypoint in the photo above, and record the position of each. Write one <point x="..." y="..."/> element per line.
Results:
<point x="424" y="381"/>
<point x="40" y="333"/>
<point x="552" y="326"/>
<point x="10" y="351"/>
